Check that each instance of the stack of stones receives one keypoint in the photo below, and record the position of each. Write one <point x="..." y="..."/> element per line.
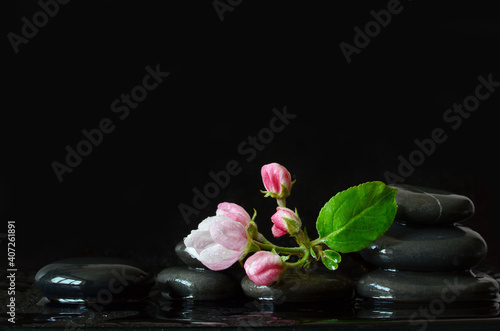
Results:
<point x="425" y="256"/>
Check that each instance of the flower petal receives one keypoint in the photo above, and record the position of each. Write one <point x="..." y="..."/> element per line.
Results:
<point x="273" y="176"/>
<point x="217" y="257"/>
<point x="207" y="223"/>
<point x="198" y="240"/>
<point x="277" y="232"/>
<point x="267" y="278"/>
<point x="230" y="234"/>
<point x="234" y="212"/>
<point x="264" y="268"/>
<point x="271" y="182"/>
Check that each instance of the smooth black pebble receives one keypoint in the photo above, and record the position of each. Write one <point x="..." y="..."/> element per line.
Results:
<point x="97" y="280"/>
<point x="320" y="285"/>
<point x="185" y="282"/>
<point x="415" y="286"/>
<point x="448" y="248"/>
<point x="425" y="206"/>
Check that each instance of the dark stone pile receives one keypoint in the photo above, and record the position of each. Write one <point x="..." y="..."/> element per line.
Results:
<point x="426" y="256"/>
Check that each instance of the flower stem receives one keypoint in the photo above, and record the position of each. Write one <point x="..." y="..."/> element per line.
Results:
<point x="300" y="262"/>
<point x="285" y="250"/>
<point x="317" y="242"/>
<point x="260" y="238"/>
<point x="281" y="202"/>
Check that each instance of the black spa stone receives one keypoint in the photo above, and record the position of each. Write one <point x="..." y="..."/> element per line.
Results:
<point x="197" y="284"/>
<point x="404" y="247"/>
<point x="93" y="280"/>
<point x="180" y="250"/>
<point x="320" y="285"/>
<point x="420" y="205"/>
<point x="415" y="286"/>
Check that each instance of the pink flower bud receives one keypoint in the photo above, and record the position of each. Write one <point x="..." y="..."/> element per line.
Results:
<point x="234" y="212"/>
<point x="218" y="242"/>
<point x="285" y="221"/>
<point x="277" y="180"/>
<point x="264" y="268"/>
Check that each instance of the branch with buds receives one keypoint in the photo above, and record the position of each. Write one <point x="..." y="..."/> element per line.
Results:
<point x="350" y="221"/>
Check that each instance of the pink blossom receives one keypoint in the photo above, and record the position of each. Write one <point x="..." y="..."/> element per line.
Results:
<point x="277" y="180"/>
<point x="218" y="242"/>
<point x="264" y="268"/>
<point x="285" y="221"/>
<point x="234" y="212"/>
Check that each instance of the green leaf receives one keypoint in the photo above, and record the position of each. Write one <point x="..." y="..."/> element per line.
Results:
<point x="331" y="259"/>
<point x="356" y="217"/>
<point x="313" y="253"/>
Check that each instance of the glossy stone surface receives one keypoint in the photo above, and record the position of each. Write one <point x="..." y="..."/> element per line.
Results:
<point x="321" y="285"/>
<point x="414" y="286"/>
<point x="420" y="205"/>
<point x="426" y="249"/>
<point x="180" y="250"/>
<point x="196" y="284"/>
<point x="100" y="280"/>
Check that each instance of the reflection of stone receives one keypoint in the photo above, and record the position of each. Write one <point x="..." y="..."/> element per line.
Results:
<point x="100" y="280"/>
<point x="427" y="258"/>
<point x="426" y="249"/>
<point x="418" y="313"/>
<point x="196" y="283"/>
<point x="320" y="285"/>
<point x="420" y="205"/>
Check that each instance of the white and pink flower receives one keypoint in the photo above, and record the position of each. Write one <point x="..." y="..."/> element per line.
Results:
<point x="220" y="240"/>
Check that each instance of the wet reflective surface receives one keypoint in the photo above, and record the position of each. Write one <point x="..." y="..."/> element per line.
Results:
<point x="155" y="311"/>
<point x="434" y="309"/>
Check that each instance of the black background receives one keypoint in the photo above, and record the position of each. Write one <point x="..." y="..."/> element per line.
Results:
<point x="352" y="120"/>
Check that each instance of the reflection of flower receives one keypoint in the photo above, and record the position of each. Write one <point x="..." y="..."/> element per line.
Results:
<point x="285" y="221"/>
<point x="264" y="268"/>
<point x="220" y="240"/>
<point x="277" y="180"/>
